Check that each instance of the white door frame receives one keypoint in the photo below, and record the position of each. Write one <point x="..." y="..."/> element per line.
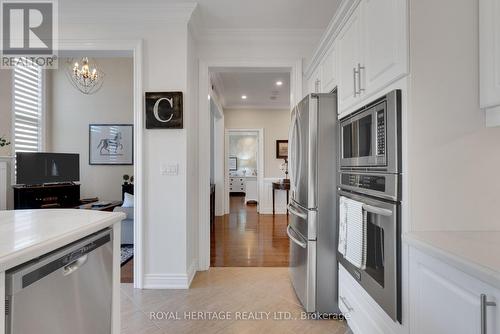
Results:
<point x="260" y="164"/>
<point x="206" y="65"/>
<point x="135" y="47"/>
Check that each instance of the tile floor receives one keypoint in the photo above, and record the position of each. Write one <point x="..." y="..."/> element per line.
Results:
<point x="238" y="291"/>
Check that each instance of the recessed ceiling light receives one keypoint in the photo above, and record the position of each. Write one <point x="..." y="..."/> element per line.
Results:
<point x="244" y="97"/>
<point x="279" y="83"/>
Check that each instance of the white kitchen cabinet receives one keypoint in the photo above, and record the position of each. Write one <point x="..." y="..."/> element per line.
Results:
<point x="385" y="44"/>
<point x="363" y="314"/>
<point x="372" y="50"/>
<point x="349" y="44"/>
<point x="445" y="300"/>
<point x="328" y="70"/>
<point x="489" y="28"/>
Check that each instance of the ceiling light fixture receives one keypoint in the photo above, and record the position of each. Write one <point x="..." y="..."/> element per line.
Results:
<point x="85" y="75"/>
<point x="279" y="83"/>
<point x="244" y="97"/>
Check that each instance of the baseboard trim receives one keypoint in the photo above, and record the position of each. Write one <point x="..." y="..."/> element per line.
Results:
<point x="171" y="281"/>
<point x="192" y="272"/>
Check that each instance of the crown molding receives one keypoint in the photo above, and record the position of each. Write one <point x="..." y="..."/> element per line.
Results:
<point x="126" y="13"/>
<point x="345" y="10"/>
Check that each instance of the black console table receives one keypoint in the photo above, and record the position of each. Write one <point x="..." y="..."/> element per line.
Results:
<point x="47" y="196"/>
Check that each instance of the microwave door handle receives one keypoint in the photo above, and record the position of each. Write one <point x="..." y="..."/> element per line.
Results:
<point x="377" y="210"/>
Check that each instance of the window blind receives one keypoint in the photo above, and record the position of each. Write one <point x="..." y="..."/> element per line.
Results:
<point x="27" y="108"/>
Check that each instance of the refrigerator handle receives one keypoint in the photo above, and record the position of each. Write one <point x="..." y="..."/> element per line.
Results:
<point x="295" y="240"/>
<point x="295" y="212"/>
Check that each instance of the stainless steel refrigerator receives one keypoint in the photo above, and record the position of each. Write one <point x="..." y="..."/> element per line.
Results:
<point x="313" y="206"/>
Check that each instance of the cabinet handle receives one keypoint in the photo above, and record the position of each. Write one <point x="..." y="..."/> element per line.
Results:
<point x="484" y="316"/>
<point x="354" y="73"/>
<point x="359" y="76"/>
<point x="344" y="301"/>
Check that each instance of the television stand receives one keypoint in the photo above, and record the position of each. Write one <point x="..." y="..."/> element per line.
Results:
<point x="46" y="196"/>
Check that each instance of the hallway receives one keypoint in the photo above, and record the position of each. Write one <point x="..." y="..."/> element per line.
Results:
<point x="246" y="239"/>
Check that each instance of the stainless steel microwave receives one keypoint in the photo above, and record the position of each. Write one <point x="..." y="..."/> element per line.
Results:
<point x="369" y="137"/>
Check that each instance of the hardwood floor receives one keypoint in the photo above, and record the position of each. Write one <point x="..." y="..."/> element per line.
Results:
<point x="245" y="238"/>
<point x="127" y="272"/>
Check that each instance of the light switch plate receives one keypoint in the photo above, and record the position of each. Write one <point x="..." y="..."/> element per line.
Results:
<point x="169" y="169"/>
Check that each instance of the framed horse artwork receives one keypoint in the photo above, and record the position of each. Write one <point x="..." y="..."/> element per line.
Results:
<point x="111" y="144"/>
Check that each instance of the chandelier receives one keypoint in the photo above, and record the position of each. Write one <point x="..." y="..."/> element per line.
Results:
<point x="85" y="75"/>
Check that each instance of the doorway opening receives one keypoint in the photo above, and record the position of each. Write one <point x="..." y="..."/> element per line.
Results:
<point x="250" y="114"/>
<point x="122" y="64"/>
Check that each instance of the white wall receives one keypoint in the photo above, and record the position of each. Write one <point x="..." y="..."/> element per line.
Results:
<point x="275" y="124"/>
<point x="70" y="113"/>
<point x="192" y="193"/>
<point x="6" y="110"/>
<point x="163" y="30"/>
<point x="219" y="162"/>
<point x="454" y="159"/>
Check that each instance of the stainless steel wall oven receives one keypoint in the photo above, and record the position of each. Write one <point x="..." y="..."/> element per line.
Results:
<point x="370" y="174"/>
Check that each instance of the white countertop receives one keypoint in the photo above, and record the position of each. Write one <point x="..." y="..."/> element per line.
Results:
<point x="476" y="253"/>
<point x="27" y="234"/>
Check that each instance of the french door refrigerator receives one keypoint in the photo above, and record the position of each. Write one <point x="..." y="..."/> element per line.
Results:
<point x="313" y="144"/>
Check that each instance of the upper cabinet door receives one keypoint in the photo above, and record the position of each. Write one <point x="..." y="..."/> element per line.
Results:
<point x="349" y="45"/>
<point x="385" y="43"/>
<point x="489" y="27"/>
<point x="329" y="70"/>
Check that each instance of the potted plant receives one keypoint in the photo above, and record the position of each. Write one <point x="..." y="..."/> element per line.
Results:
<point x="4" y="141"/>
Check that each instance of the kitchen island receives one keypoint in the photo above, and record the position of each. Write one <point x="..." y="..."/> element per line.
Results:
<point x="26" y="235"/>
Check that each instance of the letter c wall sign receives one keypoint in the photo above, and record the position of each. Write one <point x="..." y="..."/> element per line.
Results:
<point x="164" y="110"/>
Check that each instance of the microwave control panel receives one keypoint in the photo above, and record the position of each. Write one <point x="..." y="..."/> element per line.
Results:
<point x="381" y="132"/>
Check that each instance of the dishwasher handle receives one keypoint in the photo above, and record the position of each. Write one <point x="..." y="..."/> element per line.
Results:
<point x="74" y="266"/>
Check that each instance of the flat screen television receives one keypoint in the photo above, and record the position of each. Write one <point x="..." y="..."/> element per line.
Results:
<point x="39" y="168"/>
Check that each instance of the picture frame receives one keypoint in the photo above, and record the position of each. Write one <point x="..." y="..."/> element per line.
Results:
<point x="164" y="110"/>
<point x="233" y="164"/>
<point x="111" y="144"/>
<point x="282" y="149"/>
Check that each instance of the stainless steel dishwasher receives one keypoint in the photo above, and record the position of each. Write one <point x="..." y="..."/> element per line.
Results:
<point x="68" y="291"/>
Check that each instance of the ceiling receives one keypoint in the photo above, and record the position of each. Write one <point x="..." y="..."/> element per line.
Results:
<point x="258" y="86"/>
<point x="266" y="14"/>
<point x="244" y="14"/>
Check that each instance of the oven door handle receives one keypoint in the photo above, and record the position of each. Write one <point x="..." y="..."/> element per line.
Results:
<point x="377" y="210"/>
